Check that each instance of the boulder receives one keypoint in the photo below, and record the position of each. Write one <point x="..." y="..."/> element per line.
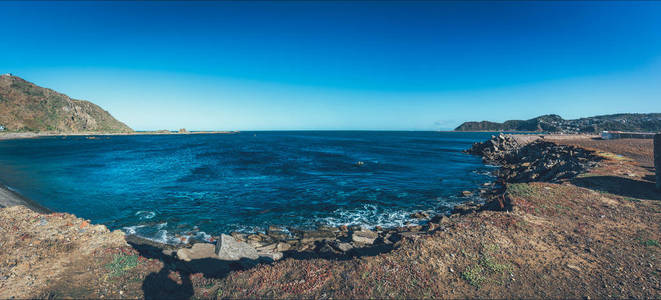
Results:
<point x="227" y="248"/>
<point x="466" y="193"/>
<point x="364" y="236"/>
<point x="198" y="251"/>
<point x="316" y="235"/>
<point x="344" y="247"/>
<point x="270" y="256"/>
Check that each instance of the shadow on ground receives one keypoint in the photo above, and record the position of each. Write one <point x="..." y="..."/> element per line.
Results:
<point x="166" y="285"/>
<point x="620" y="186"/>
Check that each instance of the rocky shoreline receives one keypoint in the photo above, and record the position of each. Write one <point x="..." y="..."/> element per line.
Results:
<point x="520" y="162"/>
<point x="536" y="160"/>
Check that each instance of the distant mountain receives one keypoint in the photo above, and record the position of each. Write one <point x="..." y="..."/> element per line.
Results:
<point x="555" y="123"/>
<point x="25" y="106"/>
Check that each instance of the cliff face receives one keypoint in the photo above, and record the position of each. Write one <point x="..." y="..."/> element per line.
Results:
<point x="555" y="123"/>
<point x="25" y="106"/>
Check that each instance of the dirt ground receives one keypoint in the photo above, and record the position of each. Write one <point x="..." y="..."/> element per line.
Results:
<point x="593" y="236"/>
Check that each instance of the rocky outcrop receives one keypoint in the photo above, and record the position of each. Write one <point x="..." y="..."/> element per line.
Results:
<point x="535" y="161"/>
<point x="495" y="149"/>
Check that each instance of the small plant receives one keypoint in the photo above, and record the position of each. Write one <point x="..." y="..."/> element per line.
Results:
<point x="473" y="274"/>
<point x="651" y="242"/>
<point x="121" y="263"/>
<point x="486" y="267"/>
<point x="520" y="189"/>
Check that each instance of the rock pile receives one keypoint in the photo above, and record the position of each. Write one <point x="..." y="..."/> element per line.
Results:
<point x="495" y="149"/>
<point x="546" y="161"/>
<point x="277" y="242"/>
<point x="536" y="161"/>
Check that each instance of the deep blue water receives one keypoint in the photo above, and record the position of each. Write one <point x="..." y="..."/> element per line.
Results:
<point x="160" y="186"/>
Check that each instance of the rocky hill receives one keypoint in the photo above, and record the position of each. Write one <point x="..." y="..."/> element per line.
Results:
<point x="25" y="106"/>
<point x="554" y="123"/>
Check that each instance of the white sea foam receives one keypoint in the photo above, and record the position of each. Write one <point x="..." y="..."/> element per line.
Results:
<point x="145" y="215"/>
<point x="159" y="234"/>
<point x="370" y="216"/>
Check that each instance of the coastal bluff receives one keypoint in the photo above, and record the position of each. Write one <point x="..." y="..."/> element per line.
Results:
<point x="27" y="107"/>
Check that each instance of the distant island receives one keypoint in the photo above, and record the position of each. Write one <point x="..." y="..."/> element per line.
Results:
<point x="556" y="124"/>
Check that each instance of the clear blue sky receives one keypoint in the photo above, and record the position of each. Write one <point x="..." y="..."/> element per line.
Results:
<point x="338" y="65"/>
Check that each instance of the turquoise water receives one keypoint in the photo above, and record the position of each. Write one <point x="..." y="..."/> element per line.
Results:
<point x="171" y="187"/>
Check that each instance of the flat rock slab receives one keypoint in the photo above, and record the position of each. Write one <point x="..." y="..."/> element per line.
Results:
<point x="228" y="248"/>
<point x="198" y="251"/>
<point x="364" y="236"/>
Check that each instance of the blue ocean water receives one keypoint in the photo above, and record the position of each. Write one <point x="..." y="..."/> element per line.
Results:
<point x="170" y="187"/>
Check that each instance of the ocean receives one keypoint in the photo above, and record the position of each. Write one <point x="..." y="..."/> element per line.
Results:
<point x="169" y="188"/>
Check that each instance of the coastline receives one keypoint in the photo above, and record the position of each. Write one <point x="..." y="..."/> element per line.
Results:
<point x="29" y="135"/>
<point x="561" y="227"/>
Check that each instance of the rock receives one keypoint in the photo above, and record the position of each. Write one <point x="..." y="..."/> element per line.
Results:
<point x="355" y="227"/>
<point x="419" y="215"/>
<point x="344" y="247"/>
<point x="327" y="228"/>
<point x="344" y="228"/>
<point x="266" y="248"/>
<point x="198" y="251"/>
<point x="283" y="247"/>
<point x="431" y="226"/>
<point x="310" y="236"/>
<point x="364" y="236"/>
<point x="277" y="233"/>
<point x="326" y="248"/>
<point x="254" y="237"/>
<point x="272" y="256"/>
<point x="575" y="268"/>
<point x="227" y="248"/>
<point x="279" y="236"/>
<point x="238" y="236"/>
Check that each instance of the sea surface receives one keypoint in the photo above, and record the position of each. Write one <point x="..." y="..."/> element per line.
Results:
<point x="172" y="187"/>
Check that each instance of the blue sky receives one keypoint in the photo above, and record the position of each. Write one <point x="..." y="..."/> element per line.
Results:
<point x="338" y="65"/>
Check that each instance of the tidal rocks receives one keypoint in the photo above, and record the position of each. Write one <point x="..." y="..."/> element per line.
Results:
<point x="227" y="248"/>
<point x="364" y="236"/>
